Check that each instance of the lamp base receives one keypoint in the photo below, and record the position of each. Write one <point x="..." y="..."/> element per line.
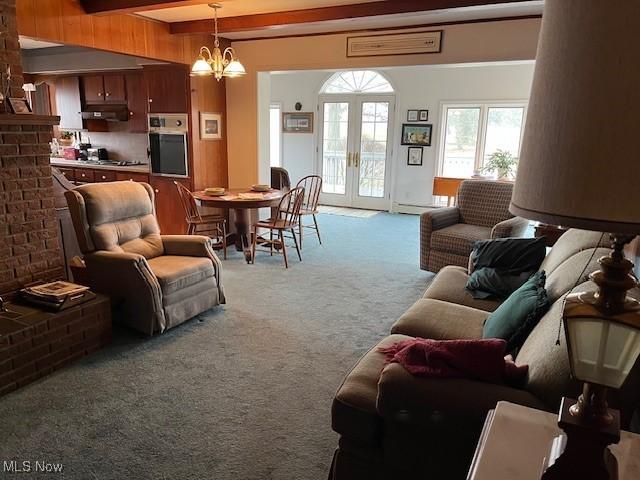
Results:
<point x="586" y="455"/>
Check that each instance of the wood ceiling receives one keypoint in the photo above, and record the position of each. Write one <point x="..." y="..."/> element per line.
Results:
<point x="260" y="22"/>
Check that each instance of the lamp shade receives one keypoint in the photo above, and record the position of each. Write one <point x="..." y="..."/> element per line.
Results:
<point x="201" y="68"/>
<point x="579" y="165"/>
<point x="234" y="69"/>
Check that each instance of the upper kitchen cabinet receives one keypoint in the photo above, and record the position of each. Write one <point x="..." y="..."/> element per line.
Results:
<point x="167" y="88"/>
<point x="104" y="89"/>
<point x="137" y="102"/>
<point x="68" y="103"/>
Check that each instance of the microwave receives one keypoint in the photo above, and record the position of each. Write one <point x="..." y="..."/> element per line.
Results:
<point x="168" y="144"/>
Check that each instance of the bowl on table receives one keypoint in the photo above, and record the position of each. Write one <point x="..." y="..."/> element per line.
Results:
<point x="260" y="187"/>
<point x="214" y="191"/>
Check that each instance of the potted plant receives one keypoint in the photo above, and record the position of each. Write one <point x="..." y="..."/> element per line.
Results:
<point x="66" y="138"/>
<point x="503" y="163"/>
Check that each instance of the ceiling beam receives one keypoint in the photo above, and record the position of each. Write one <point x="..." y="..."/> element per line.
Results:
<point x="340" y="12"/>
<point x="96" y="7"/>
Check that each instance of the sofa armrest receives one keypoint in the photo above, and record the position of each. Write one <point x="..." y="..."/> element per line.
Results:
<point x="399" y="390"/>
<point x="195" y="246"/>
<point x="131" y="285"/>
<point x="513" y="227"/>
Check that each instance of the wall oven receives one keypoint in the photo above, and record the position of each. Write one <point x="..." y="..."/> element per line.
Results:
<point x="168" y="144"/>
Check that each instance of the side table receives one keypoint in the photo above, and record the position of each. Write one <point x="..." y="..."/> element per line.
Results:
<point x="35" y="342"/>
<point x="516" y="441"/>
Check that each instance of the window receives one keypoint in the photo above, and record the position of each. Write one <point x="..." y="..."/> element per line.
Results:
<point x="357" y="81"/>
<point x="275" y="117"/>
<point x="473" y="132"/>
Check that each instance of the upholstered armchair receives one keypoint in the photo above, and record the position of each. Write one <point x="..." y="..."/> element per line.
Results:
<point x="155" y="281"/>
<point x="447" y="234"/>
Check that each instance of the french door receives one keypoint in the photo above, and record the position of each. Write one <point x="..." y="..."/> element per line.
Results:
<point x="354" y="150"/>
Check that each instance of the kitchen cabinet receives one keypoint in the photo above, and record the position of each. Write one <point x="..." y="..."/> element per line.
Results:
<point x="99" y="89"/>
<point x="84" y="175"/>
<point x="169" y="210"/>
<point x="68" y="103"/>
<point x="104" y="176"/>
<point x="133" y="177"/>
<point x="68" y="173"/>
<point x="167" y="88"/>
<point x="137" y="102"/>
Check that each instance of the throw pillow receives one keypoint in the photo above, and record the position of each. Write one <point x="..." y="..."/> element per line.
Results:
<point x="491" y="282"/>
<point x="519" y="314"/>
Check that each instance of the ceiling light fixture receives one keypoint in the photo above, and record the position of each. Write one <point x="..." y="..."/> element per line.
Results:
<point x="219" y="64"/>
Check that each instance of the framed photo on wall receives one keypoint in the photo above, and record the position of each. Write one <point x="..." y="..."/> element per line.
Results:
<point x="415" y="156"/>
<point x="416" y="134"/>
<point x="297" y="122"/>
<point x="412" y="115"/>
<point x="423" y="116"/>
<point x="210" y="126"/>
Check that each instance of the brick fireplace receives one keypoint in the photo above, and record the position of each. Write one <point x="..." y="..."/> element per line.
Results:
<point x="29" y="245"/>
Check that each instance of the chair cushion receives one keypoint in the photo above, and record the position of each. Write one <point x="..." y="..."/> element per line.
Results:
<point x="458" y="238"/>
<point x="449" y="286"/>
<point x="354" y="412"/>
<point x="439" y="320"/>
<point x="175" y="273"/>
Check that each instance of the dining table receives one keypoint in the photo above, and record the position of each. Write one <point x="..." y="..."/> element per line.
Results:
<point x="241" y="201"/>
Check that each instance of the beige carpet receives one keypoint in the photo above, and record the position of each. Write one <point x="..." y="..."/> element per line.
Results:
<point x="347" y="212"/>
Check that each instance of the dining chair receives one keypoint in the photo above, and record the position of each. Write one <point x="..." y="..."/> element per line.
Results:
<point x="312" y="185"/>
<point x="285" y="221"/>
<point x="214" y="226"/>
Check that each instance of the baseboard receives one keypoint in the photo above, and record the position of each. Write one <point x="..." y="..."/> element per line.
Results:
<point x="412" y="209"/>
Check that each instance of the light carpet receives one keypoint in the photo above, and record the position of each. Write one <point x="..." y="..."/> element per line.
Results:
<point x="243" y="392"/>
<point x="347" y="212"/>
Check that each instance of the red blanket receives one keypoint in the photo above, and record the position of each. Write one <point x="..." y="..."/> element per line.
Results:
<point x="475" y="359"/>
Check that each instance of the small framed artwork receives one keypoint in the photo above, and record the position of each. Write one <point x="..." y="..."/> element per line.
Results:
<point x="416" y="134"/>
<point x="210" y="126"/>
<point x="297" y="122"/>
<point x="19" y="106"/>
<point x="412" y="115"/>
<point x="423" y="115"/>
<point x="415" y="156"/>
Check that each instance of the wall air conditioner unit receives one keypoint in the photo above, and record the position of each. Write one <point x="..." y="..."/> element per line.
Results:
<point x="410" y="43"/>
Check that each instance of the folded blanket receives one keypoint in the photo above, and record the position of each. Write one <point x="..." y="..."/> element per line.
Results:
<point x="481" y="359"/>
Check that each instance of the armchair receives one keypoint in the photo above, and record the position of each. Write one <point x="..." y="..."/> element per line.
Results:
<point x="447" y="234"/>
<point x="155" y="281"/>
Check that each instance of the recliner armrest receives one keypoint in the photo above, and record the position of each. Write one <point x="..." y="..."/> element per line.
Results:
<point x="439" y="218"/>
<point x="513" y="227"/>
<point x="399" y="390"/>
<point x="195" y="246"/>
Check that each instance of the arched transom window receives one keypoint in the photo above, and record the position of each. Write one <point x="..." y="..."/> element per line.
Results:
<point x="360" y="81"/>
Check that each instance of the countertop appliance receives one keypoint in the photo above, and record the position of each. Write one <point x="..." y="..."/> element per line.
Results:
<point x="168" y="144"/>
<point x="97" y="154"/>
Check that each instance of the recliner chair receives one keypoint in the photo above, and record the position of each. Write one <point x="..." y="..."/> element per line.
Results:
<point x="155" y="281"/>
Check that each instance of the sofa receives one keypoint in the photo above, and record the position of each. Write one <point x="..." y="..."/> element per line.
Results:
<point x="447" y="234"/>
<point x="394" y="425"/>
<point x="154" y="281"/>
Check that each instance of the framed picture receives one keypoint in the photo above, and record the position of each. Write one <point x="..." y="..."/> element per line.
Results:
<point x="415" y="156"/>
<point x="297" y="122"/>
<point x="416" y="134"/>
<point x="210" y="126"/>
<point x="423" y="115"/>
<point x="412" y="115"/>
<point x="19" y="106"/>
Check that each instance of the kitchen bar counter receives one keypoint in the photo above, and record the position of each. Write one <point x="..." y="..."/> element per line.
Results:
<point x="65" y="163"/>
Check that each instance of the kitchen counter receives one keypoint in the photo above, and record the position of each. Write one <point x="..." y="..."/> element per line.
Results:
<point x="63" y="162"/>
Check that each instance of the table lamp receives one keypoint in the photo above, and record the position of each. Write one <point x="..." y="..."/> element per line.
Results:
<point x="579" y="168"/>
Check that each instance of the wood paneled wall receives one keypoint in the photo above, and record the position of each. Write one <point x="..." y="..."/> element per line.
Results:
<point x="64" y="21"/>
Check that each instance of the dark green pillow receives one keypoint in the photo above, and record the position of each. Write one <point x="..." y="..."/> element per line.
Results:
<point x="519" y="314"/>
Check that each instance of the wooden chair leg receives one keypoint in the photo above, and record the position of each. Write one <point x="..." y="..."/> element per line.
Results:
<point x="284" y="248"/>
<point x="315" y="221"/>
<point x="271" y="242"/>
<point x="295" y="241"/>
<point x="224" y="239"/>
<point x="253" y="244"/>
<point x="301" y="228"/>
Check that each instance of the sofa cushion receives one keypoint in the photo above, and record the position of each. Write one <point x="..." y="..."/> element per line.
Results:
<point x="354" y="412"/>
<point x="570" y="243"/>
<point x="515" y="318"/>
<point x="458" y="238"/>
<point x="438" y="320"/>
<point x="175" y="273"/>
<point x="566" y="275"/>
<point x="449" y="286"/>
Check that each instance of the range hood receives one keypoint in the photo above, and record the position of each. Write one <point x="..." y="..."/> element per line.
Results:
<point x="108" y="113"/>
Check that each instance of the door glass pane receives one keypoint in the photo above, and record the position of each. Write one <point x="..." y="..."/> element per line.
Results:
<point x="504" y="125"/>
<point x="373" y="149"/>
<point x="334" y="147"/>
<point x="460" y="142"/>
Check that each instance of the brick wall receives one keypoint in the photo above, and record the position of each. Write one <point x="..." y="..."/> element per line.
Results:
<point x="29" y="245"/>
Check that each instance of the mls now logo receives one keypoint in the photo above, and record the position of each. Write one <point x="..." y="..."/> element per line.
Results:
<point x="27" y="466"/>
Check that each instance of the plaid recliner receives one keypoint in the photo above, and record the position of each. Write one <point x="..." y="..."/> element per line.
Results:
<point x="447" y="234"/>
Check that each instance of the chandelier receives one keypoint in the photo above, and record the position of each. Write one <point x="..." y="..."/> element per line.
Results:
<point x="219" y="64"/>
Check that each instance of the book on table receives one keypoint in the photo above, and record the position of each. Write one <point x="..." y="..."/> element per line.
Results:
<point x="56" y="294"/>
